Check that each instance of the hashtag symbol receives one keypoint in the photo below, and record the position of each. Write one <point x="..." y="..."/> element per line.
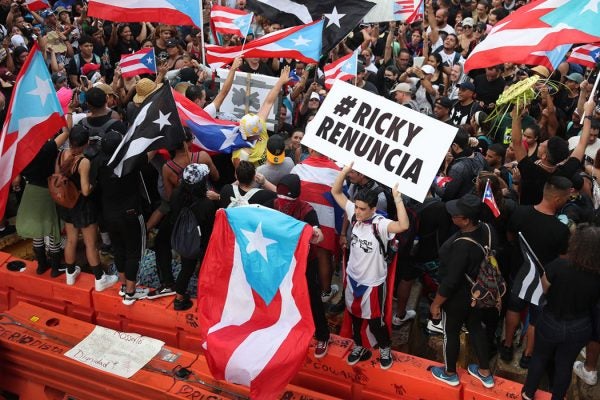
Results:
<point x="345" y="105"/>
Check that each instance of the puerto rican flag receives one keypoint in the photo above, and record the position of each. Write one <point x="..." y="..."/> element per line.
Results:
<point x="550" y="59"/>
<point x="317" y="175"/>
<point x="489" y="200"/>
<point x="36" y="5"/>
<point x="138" y="63"/>
<point x="253" y="303"/>
<point x="302" y="43"/>
<point x="34" y="115"/>
<point x="176" y="12"/>
<point x="225" y="20"/>
<point x="343" y="69"/>
<point x="587" y="55"/>
<point x="537" y="26"/>
<point x="212" y="135"/>
<point x="408" y="10"/>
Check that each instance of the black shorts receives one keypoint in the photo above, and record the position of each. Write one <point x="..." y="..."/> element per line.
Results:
<point x="406" y="270"/>
<point x="519" y="305"/>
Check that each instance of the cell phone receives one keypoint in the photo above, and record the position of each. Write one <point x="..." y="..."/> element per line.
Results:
<point x="84" y="80"/>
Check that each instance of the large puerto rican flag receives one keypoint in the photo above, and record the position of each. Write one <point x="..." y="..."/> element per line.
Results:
<point x="225" y="20"/>
<point x="317" y="175"/>
<point x="176" y="12"/>
<point x="253" y="301"/>
<point x="34" y="116"/>
<point x="302" y="43"/>
<point x="212" y="135"/>
<point x="538" y="26"/>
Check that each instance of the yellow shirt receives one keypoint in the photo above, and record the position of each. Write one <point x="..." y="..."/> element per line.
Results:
<point x="257" y="155"/>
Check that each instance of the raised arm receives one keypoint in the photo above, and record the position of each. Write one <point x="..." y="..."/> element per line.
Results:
<point x="284" y="77"/>
<point x="517" y="135"/>
<point x="336" y="189"/>
<point x="402" y="224"/>
<point x="219" y="98"/>
<point x="579" y="151"/>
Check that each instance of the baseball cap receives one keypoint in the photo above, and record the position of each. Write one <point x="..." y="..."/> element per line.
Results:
<point x="468" y="22"/>
<point x="575" y="77"/>
<point x="444" y="102"/>
<point x="468" y="206"/>
<point x="428" y="69"/>
<point x="89" y="67"/>
<point x="276" y="149"/>
<point x="315" y="95"/>
<point x="401" y="87"/>
<point x="468" y="85"/>
<point x="171" y="42"/>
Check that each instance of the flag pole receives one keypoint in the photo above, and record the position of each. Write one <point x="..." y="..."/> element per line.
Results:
<point x="202" y="43"/>
<point x="591" y="96"/>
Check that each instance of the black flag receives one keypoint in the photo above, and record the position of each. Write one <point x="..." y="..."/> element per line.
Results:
<point x="528" y="284"/>
<point x="156" y="126"/>
<point x="341" y="16"/>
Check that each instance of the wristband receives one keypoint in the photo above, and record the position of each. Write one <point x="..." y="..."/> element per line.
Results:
<point x="588" y="117"/>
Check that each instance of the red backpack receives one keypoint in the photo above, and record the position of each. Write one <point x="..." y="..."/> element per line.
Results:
<point x="62" y="189"/>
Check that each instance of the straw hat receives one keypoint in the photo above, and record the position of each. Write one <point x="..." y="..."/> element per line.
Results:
<point x="144" y="88"/>
<point x="541" y="71"/>
<point x="105" y="88"/>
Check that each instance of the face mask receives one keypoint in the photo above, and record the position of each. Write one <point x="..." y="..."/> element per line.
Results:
<point x="388" y="80"/>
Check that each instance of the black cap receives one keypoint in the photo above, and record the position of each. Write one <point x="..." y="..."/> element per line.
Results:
<point x="468" y="206"/>
<point x="171" y="42"/>
<point x="289" y="186"/>
<point x="276" y="145"/>
<point x="188" y="75"/>
<point x="445" y="102"/>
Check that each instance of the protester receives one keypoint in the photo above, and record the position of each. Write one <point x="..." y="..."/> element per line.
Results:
<point x="367" y="269"/>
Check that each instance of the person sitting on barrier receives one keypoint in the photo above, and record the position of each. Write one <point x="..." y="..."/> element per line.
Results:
<point x="452" y="303"/>
<point x="367" y="267"/>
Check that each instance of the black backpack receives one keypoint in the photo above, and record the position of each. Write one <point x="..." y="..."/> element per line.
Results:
<point x="390" y="249"/>
<point x="186" y="235"/>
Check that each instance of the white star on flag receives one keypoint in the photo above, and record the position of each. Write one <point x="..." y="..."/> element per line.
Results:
<point x="149" y="60"/>
<point x="257" y="242"/>
<point x="592" y="6"/>
<point x="42" y="89"/>
<point x="334" y="17"/>
<point x="229" y="138"/>
<point x="301" y="41"/>
<point x="348" y="66"/>
<point x="163" y="120"/>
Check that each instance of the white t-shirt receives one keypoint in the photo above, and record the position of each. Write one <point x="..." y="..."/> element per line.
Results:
<point x="366" y="264"/>
<point x="211" y="110"/>
<point x="590" y="150"/>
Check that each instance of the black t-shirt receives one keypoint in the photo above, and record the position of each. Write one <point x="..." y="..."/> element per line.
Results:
<point x="262" y="69"/>
<point x="487" y="91"/>
<point x="546" y="235"/>
<point x="573" y="293"/>
<point x="262" y="196"/>
<point x="42" y="165"/>
<point x="462" y="114"/>
<point x="118" y="195"/>
<point x="434" y="229"/>
<point x="460" y="257"/>
<point x="533" y="178"/>
<point x="97" y="122"/>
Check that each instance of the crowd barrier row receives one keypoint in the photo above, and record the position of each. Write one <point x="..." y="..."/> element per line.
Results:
<point x="32" y="363"/>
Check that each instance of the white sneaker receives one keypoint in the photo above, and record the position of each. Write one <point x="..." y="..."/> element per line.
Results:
<point x="435" y="328"/>
<point x="71" y="278"/>
<point x="326" y="296"/>
<point x="105" y="282"/>
<point x="410" y="314"/>
<point x="589" y="377"/>
<point x="140" y="293"/>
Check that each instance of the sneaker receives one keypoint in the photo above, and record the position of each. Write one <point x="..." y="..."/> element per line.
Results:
<point x="183" y="304"/>
<point x="105" y="282"/>
<point x="8" y="230"/>
<point x="357" y="354"/>
<point x="321" y="348"/>
<point x="506" y="352"/>
<point x="397" y="321"/>
<point x="524" y="361"/>
<point x="162" y="291"/>
<point x="583" y="352"/>
<point x="385" y="358"/>
<point x="71" y="278"/>
<point x="487" y="381"/>
<point x="106" y="249"/>
<point x="326" y="296"/>
<point x="56" y="272"/>
<point x="139" y="294"/>
<point x="435" y="328"/>
<point x="589" y="377"/>
<point x="123" y="289"/>
<point x="440" y="374"/>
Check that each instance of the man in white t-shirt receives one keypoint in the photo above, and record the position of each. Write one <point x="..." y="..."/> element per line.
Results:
<point x="593" y="143"/>
<point x="366" y="270"/>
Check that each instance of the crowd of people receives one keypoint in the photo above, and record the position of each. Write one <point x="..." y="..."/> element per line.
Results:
<point x="540" y="160"/>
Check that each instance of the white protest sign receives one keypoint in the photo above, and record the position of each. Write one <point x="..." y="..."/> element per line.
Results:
<point x="119" y="353"/>
<point x="388" y="142"/>
<point x="247" y="94"/>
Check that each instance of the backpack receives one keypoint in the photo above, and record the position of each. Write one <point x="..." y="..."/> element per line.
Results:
<point x="489" y="286"/>
<point x="96" y="135"/>
<point x="62" y="189"/>
<point x="186" y="235"/>
<point x="240" y="200"/>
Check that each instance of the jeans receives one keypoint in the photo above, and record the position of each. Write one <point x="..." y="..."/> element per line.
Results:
<point x="557" y="340"/>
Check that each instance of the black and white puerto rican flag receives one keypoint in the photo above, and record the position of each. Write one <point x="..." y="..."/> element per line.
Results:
<point x="156" y="126"/>
<point x="341" y="16"/>
<point x="528" y="284"/>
